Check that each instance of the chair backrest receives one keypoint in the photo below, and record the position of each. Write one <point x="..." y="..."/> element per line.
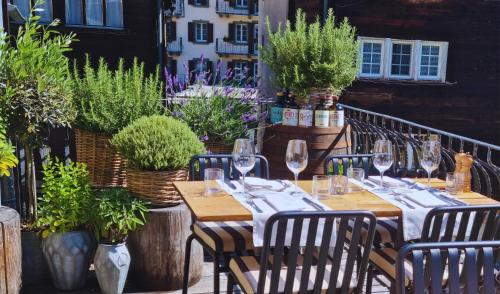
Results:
<point x="200" y="162"/>
<point x="284" y="267"/>
<point x="449" y="265"/>
<point x="338" y="164"/>
<point x="462" y="223"/>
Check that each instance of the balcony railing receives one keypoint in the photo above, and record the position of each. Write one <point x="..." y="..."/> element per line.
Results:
<point x="223" y="47"/>
<point x="175" y="47"/>
<point x="223" y="7"/>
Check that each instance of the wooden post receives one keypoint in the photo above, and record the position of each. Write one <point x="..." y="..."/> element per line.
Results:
<point x="10" y="251"/>
<point x="158" y="249"/>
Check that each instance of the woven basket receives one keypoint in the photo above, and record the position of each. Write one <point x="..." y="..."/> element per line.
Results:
<point x="327" y="94"/>
<point x="218" y="147"/>
<point x="156" y="186"/>
<point x="105" y="165"/>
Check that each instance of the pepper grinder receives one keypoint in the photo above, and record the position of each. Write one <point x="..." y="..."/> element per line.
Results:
<point x="467" y="161"/>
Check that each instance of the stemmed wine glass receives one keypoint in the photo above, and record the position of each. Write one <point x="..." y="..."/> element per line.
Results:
<point x="296" y="158"/>
<point x="382" y="157"/>
<point x="430" y="157"/>
<point x="243" y="158"/>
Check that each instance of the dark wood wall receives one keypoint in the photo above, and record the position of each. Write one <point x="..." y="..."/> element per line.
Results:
<point x="469" y="103"/>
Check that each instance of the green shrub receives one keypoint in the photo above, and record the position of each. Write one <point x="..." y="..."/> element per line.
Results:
<point x="7" y="158"/>
<point x="116" y="213"/>
<point x="67" y="196"/>
<point x="157" y="143"/>
<point x="312" y="56"/>
<point x="107" y="101"/>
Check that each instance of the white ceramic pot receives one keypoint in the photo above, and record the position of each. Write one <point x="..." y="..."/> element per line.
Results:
<point x="111" y="263"/>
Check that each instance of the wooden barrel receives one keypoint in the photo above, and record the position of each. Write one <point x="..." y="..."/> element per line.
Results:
<point x="320" y="143"/>
<point x="10" y="251"/>
<point x="158" y="249"/>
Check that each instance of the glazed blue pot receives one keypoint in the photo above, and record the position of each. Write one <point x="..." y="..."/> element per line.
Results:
<point x="111" y="263"/>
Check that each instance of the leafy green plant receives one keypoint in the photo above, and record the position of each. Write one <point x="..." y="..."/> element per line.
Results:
<point x="225" y="116"/>
<point x="312" y="56"/>
<point x="116" y="213"/>
<point x="35" y="89"/>
<point x="67" y="197"/>
<point x="157" y="143"/>
<point x="7" y="158"/>
<point x="108" y="100"/>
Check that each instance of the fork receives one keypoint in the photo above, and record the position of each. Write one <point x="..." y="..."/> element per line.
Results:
<point x="252" y="204"/>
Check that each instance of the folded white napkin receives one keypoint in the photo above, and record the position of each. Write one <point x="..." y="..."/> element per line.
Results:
<point x="426" y="198"/>
<point x="285" y="202"/>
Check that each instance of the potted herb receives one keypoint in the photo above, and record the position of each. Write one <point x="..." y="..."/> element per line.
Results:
<point x="116" y="213"/>
<point x="63" y="213"/>
<point x="107" y="101"/>
<point x="312" y="57"/>
<point x="158" y="150"/>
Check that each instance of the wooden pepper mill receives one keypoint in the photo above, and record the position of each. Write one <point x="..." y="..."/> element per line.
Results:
<point x="464" y="163"/>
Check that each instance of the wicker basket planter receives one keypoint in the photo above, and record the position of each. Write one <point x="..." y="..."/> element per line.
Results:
<point x="218" y="147"/>
<point x="156" y="186"/>
<point x="105" y="165"/>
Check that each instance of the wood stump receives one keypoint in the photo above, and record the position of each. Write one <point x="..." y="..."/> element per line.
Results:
<point x="158" y="250"/>
<point x="10" y="251"/>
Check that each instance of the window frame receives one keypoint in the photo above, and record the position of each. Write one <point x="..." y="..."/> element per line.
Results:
<point x="412" y="59"/>
<point x="201" y="23"/>
<point x="236" y="26"/>
<point x="241" y="70"/>
<point x="31" y="5"/>
<point x="239" y="4"/>
<point x="363" y="40"/>
<point x="442" y="60"/>
<point x="83" y="6"/>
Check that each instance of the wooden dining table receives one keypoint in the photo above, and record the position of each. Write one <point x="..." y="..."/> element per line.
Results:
<point x="224" y="207"/>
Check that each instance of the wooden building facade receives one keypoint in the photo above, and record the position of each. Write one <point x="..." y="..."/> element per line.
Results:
<point x="465" y="98"/>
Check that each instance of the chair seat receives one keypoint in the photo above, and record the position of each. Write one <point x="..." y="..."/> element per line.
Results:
<point x="226" y="236"/>
<point x="386" y="232"/>
<point x="245" y="270"/>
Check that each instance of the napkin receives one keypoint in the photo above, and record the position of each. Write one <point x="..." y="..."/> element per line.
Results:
<point x="285" y="202"/>
<point x="426" y="198"/>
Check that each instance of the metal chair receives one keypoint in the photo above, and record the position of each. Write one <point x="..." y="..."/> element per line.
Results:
<point x="442" y="224"/>
<point x="284" y="268"/>
<point x="220" y="239"/>
<point x="458" y="267"/>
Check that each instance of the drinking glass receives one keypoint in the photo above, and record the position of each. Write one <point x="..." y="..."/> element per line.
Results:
<point x="357" y="174"/>
<point x="321" y="187"/>
<point x="454" y="183"/>
<point x="382" y="157"/>
<point x="243" y="158"/>
<point x="296" y="158"/>
<point x="212" y="178"/>
<point x="430" y="156"/>
<point x="339" y="185"/>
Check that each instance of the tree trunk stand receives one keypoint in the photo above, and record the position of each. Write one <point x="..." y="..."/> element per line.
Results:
<point x="158" y="249"/>
<point x="10" y="251"/>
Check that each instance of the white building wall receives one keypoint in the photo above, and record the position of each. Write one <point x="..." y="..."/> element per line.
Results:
<point x="221" y="24"/>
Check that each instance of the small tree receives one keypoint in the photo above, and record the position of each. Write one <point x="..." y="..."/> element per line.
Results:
<point x="35" y="92"/>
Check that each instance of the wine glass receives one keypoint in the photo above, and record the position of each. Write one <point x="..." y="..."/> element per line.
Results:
<point x="243" y="158"/>
<point x="382" y="157"/>
<point x="430" y="157"/>
<point x="296" y="158"/>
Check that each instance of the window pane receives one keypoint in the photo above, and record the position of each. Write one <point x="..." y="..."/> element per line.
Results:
<point x="424" y="71"/>
<point x="434" y="60"/>
<point x="401" y="59"/>
<point x="435" y="50"/>
<point x="424" y="60"/>
<point x="375" y="69"/>
<point x="433" y="71"/>
<point x="405" y="59"/>
<point x="367" y="47"/>
<point x="425" y="50"/>
<point x="371" y="61"/>
<point x="365" y="68"/>
<point x="46" y="11"/>
<point x="377" y="47"/>
<point x="73" y="12"/>
<point x="24" y="7"/>
<point x="376" y="58"/>
<point x="429" y="65"/>
<point x="114" y="13"/>
<point x="366" y="57"/>
<point x="93" y="10"/>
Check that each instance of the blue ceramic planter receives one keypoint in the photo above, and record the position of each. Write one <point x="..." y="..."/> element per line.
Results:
<point x="111" y="264"/>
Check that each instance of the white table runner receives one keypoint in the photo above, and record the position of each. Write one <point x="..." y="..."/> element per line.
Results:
<point x="272" y="197"/>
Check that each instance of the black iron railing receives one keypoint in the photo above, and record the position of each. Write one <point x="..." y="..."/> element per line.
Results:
<point x="224" y="7"/>
<point x="175" y="46"/>
<point x="223" y="47"/>
<point x="368" y="126"/>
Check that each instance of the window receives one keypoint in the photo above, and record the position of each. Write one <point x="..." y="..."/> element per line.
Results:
<point x="43" y="10"/>
<point x="241" y="33"/>
<point x="242" y="3"/>
<point x="240" y="70"/>
<point x="402" y="59"/>
<point x="91" y="13"/>
<point x="255" y="70"/>
<point x="201" y="32"/>
<point x="371" y="58"/>
<point x="201" y="67"/>
<point x="256" y="38"/>
<point x="198" y="2"/>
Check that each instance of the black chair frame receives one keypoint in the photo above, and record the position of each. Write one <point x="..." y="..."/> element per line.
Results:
<point x="356" y="159"/>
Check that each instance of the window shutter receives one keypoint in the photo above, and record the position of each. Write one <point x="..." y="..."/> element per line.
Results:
<point x="210" y="32"/>
<point x="191" y="31"/>
<point x="204" y="2"/>
<point x="173" y="31"/>
<point x="230" y="34"/>
<point x="191" y="2"/>
<point x="232" y="3"/>
<point x="251" y="7"/>
<point x="250" y="38"/>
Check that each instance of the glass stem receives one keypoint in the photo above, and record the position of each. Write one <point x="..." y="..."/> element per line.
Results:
<point x="244" y="186"/>
<point x="296" y="182"/>
<point x="382" y="179"/>
<point x="428" y="178"/>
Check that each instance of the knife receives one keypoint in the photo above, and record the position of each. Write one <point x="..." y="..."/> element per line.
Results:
<point x="229" y="183"/>
<point x="313" y="204"/>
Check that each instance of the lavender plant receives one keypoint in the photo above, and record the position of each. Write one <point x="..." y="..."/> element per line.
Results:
<point x="217" y="107"/>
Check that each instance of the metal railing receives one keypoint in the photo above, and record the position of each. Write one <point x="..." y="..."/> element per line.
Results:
<point x="222" y="47"/>
<point x="175" y="47"/>
<point x="368" y="126"/>
<point x="223" y="7"/>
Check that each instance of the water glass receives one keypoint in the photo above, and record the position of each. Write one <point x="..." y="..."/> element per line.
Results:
<point x="383" y="157"/>
<point x="212" y="178"/>
<point x="454" y="183"/>
<point x="357" y="174"/>
<point x="338" y="185"/>
<point x="296" y="158"/>
<point x="321" y="187"/>
<point x="430" y="157"/>
<point x="243" y="158"/>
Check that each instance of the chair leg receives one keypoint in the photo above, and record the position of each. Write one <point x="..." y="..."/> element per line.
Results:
<point x="230" y="283"/>
<point x="369" y="279"/>
<point x="187" y="259"/>
<point x="216" y="274"/>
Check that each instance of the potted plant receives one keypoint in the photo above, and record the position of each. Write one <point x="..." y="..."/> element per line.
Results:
<point x="63" y="213"/>
<point x="158" y="150"/>
<point x="107" y="101"/>
<point x="116" y="213"/>
<point x="35" y="97"/>
<point x="312" y="57"/>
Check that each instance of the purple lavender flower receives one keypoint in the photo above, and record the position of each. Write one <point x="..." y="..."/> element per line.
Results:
<point x="229" y="108"/>
<point x="204" y="138"/>
<point x="248" y="117"/>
